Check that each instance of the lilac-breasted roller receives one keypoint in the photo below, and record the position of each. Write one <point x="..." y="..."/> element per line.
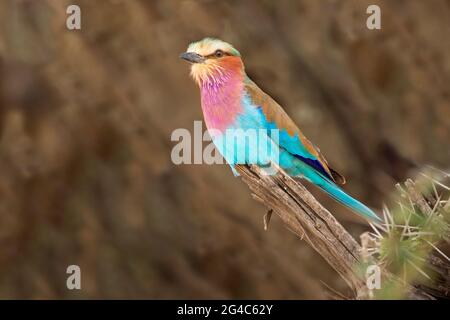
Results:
<point x="233" y="103"/>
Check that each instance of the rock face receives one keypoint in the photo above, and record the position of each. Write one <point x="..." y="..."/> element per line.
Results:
<point x="86" y="117"/>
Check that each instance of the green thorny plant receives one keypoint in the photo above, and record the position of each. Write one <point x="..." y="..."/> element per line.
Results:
<point x="408" y="244"/>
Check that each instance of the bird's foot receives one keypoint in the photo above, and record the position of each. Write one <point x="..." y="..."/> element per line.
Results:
<point x="235" y="172"/>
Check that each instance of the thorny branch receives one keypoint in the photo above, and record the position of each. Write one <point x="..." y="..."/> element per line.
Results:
<point x="302" y="214"/>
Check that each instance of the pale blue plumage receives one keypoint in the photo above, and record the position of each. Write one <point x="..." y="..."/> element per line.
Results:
<point x="292" y="155"/>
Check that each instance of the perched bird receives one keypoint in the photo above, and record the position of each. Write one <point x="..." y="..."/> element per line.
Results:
<point x="232" y="102"/>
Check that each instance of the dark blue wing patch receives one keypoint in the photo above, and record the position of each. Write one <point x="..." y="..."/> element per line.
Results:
<point x="315" y="164"/>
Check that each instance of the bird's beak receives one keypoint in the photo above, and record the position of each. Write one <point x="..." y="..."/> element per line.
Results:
<point x="192" y="57"/>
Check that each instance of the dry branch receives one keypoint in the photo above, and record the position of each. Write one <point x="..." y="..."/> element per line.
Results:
<point x="309" y="220"/>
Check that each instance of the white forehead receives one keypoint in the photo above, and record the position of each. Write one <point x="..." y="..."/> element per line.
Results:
<point x="208" y="46"/>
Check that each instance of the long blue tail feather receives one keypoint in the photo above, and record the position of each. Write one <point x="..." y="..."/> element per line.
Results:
<point x="339" y="195"/>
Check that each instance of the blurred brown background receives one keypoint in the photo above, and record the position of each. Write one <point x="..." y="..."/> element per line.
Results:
<point x="86" y="118"/>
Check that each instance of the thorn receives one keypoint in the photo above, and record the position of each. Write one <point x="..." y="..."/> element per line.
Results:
<point x="266" y="219"/>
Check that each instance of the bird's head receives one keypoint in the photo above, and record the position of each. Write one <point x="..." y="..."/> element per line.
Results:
<point x="213" y="60"/>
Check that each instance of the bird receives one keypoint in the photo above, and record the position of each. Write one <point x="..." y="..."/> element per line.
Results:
<point x="232" y="103"/>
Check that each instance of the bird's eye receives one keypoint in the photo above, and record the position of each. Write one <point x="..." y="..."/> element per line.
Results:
<point x="218" y="53"/>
